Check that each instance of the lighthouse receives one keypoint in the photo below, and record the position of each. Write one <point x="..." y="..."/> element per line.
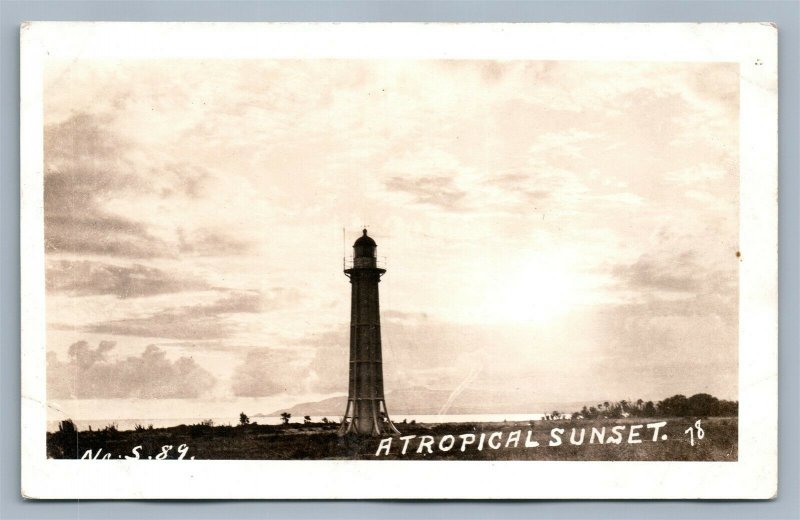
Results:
<point x="366" y="412"/>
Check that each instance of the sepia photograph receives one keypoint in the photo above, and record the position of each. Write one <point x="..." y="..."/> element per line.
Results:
<point x="321" y="252"/>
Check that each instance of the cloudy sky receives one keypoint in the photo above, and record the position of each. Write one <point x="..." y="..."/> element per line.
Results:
<point x="563" y="230"/>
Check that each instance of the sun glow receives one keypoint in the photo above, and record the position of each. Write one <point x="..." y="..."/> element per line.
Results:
<point x="537" y="291"/>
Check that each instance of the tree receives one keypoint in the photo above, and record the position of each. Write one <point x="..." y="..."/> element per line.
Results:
<point x="729" y="408"/>
<point x="243" y="419"/>
<point x="285" y="416"/>
<point x="675" y="406"/>
<point x="702" y="404"/>
<point x="306" y="419"/>
<point x="556" y="414"/>
<point x="649" y="409"/>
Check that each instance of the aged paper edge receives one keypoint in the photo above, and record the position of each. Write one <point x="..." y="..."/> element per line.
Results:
<point x="754" y="475"/>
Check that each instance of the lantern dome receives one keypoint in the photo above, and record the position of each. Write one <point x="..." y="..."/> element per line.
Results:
<point x="364" y="240"/>
<point x="364" y="247"/>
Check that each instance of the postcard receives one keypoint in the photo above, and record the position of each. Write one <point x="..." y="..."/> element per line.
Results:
<point x="277" y="260"/>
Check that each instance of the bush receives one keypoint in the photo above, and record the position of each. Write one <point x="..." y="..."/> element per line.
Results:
<point x="67" y="427"/>
<point x="65" y="442"/>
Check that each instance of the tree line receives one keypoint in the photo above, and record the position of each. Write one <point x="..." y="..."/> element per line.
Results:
<point x="702" y="405"/>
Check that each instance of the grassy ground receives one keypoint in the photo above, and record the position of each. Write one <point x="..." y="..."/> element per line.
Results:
<point x="319" y="441"/>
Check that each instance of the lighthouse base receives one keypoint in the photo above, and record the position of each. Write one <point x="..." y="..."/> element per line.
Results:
<point x="367" y="417"/>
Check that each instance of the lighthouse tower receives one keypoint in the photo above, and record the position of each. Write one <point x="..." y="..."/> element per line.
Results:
<point x="366" y="412"/>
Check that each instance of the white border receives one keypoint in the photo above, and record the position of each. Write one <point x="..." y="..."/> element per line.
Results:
<point x="753" y="476"/>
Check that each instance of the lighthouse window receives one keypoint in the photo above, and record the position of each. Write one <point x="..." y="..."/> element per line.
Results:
<point x="365" y="251"/>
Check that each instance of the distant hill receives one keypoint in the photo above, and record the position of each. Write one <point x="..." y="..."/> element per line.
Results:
<point x="331" y="407"/>
<point x="426" y="401"/>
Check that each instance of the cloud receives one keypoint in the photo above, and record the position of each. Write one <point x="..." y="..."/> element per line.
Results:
<point x="317" y="363"/>
<point x="676" y="273"/>
<point x="654" y="274"/>
<point x="84" y="168"/>
<point x="439" y="191"/>
<point x="181" y="178"/>
<point x="86" y="278"/>
<point x="681" y="321"/>
<point x="88" y="374"/>
<point x="549" y="173"/>
<point x="89" y="169"/>
<point x="90" y="230"/>
<point x="202" y="321"/>
<point x="264" y="372"/>
<point x="521" y="190"/>
<point x="328" y="370"/>
<point x="206" y="242"/>
<point x="237" y="302"/>
<point x="392" y="314"/>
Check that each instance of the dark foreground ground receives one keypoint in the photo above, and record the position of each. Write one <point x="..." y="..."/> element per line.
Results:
<point x="719" y="441"/>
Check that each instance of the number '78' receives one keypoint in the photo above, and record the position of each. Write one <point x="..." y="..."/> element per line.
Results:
<point x="700" y="432"/>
